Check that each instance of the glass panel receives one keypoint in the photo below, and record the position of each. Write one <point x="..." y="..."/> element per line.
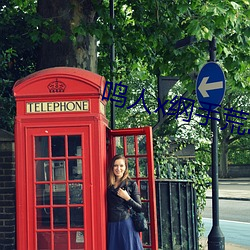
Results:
<point x="74" y="145"/>
<point x="43" y="241"/>
<point x="42" y="170"/>
<point x="61" y="240"/>
<point x="40" y="194"/>
<point x="58" y="146"/>
<point x="41" y="146"/>
<point x="46" y="195"/>
<point x="76" y="216"/>
<point x="59" y="194"/>
<point x="131" y="167"/>
<point x="130" y="145"/>
<point x="142" y="144"/>
<point x="43" y="218"/>
<point x="75" y="169"/>
<point x="143" y="165"/>
<point x="75" y="193"/>
<point x="60" y="217"/>
<point x="144" y="190"/>
<point x="58" y="171"/>
<point x="77" y="240"/>
<point x="145" y="209"/>
<point x="119" y="145"/>
<point x="146" y="237"/>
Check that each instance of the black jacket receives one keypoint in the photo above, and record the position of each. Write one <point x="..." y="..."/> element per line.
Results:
<point x="118" y="208"/>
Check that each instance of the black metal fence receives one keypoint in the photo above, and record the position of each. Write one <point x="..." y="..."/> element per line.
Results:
<point x="177" y="220"/>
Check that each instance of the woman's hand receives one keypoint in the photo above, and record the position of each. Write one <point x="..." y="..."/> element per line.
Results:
<point x="123" y="194"/>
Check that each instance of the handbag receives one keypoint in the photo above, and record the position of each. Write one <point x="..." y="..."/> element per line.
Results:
<point x="139" y="221"/>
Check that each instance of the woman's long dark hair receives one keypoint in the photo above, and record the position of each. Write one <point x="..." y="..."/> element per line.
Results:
<point x="111" y="175"/>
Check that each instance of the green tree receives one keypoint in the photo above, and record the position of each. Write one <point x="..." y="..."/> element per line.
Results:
<point x="232" y="133"/>
<point x="155" y="26"/>
<point x="17" y="54"/>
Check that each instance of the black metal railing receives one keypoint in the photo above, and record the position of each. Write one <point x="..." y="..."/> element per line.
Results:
<point x="176" y="211"/>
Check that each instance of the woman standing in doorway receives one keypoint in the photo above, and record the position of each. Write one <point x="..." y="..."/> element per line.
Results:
<point x="122" y="195"/>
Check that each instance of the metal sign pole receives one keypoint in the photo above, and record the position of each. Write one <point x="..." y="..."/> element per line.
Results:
<point x="112" y="61"/>
<point x="216" y="240"/>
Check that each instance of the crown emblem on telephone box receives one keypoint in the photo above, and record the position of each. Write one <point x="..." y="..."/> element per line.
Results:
<point x="56" y="86"/>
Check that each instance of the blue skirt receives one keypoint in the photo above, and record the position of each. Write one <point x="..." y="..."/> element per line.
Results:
<point x="122" y="236"/>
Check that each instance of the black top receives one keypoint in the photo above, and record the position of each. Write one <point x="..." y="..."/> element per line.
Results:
<point x="118" y="208"/>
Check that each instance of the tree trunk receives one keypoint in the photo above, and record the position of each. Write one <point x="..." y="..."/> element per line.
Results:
<point x="75" y="49"/>
<point x="223" y="166"/>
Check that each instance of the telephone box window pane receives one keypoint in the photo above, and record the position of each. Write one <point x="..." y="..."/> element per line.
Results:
<point x="59" y="194"/>
<point x="74" y="145"/>
<point x="75" y="169"/>
<point x="143" y="164"/>
<point x="44" y="241"/>
<point x="46" y="195"/>
<point x="40" y="194"/>
<point x="146" y="210"/>
<point x="131" y="167"/>
<point x="42" y="171"/>
<point x="144" y="190"/>
<point x="43" y="218"/>
<point x="41" y="146"/>
<point x="76" y="217"/>
<point x="58" y="171"/>
<point x="58" y="146"/>
<point x="75" y="193"/>
<point x="119" y="145"/>
<point x="130" y="145"/>
<point x="61" y="240"/>
<point x="60" y="217"/>
<point x="142" y="144"/>
<point x="146" y="237"/>
<point x="77" y="240"/>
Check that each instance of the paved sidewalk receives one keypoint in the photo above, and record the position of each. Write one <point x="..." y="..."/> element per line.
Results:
<point x="242" y="193"/>
<point x="230" y="194"/>
<point x="228" y="246"/>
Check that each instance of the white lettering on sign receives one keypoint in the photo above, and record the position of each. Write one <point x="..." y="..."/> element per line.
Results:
<point x="49" y="107"/>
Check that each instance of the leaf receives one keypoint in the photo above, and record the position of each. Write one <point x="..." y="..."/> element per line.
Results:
<point x="226" y="51"/>
<point x="235" y="5"/>
<point x="194" y="28"/>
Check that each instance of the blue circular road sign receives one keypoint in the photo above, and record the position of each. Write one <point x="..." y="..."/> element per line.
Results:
<point x="210" y="86"/>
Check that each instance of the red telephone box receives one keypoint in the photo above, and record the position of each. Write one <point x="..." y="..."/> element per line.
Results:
<point x="61" y="160"/>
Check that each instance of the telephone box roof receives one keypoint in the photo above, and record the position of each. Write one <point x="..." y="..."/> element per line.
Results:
<point x="43" y="77"/>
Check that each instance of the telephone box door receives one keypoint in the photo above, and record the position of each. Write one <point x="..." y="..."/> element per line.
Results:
<point x="136" y="145"/>
<point x="59" y="188"/>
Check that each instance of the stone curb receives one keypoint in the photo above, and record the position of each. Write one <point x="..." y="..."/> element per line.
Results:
<point x="230" y="198"/>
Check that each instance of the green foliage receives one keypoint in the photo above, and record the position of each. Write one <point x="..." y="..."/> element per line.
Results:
<point x="137" y="80"/>
<point x="148" y="31"/>
<point x="17" y="55"/>
<point x="145" y="35"/>
<point x="234" y="121"/>
<point x="16" y="42"/>
<point x="193" y="170"/>
<point x="7" y="106"/>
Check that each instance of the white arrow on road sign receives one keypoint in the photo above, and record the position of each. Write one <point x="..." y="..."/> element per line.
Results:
<point x="204" y="86"/>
